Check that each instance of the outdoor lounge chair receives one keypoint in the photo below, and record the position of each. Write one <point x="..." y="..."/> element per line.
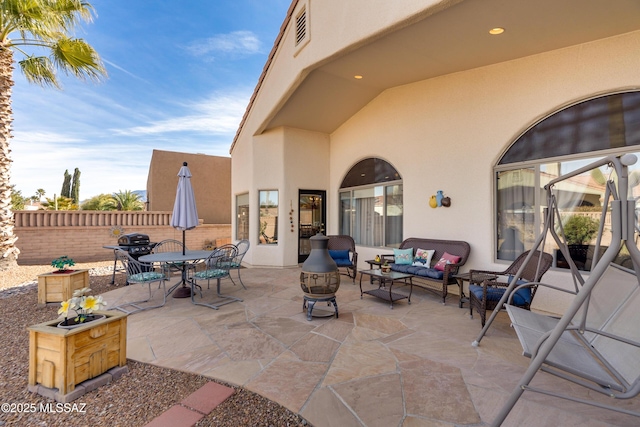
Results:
<point x="342" y="249"/>
<point x="486" y="295"/>
<point x="140" y="273"/>
<point x="217" y="267"/>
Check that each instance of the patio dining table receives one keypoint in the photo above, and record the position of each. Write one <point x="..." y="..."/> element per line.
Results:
<point x="187" y="259"/>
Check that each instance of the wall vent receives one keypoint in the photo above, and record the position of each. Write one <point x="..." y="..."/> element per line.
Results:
<point x="301" y="26"/>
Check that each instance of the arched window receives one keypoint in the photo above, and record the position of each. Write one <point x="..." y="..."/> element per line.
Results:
<point x="371" y="204"/>
<point x="562" y="142"/>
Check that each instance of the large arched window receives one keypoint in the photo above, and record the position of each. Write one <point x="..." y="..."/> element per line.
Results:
<point x="563" y="142"/>
<point x="371" y="204"/>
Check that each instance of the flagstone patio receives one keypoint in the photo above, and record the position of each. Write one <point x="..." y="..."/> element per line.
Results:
<point x="409" y="366"/>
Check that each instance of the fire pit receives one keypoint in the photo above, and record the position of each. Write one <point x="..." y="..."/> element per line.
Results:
<point x="320" y="278"/>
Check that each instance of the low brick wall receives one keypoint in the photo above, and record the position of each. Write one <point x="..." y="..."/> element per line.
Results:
<point x="81" y="235"/>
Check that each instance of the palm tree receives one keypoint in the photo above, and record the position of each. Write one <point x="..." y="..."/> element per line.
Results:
<point x="27" y="25"/>
<point x="127" y="200"/>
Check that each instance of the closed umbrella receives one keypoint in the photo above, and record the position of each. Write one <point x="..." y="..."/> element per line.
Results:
<point x="185" y="216"/>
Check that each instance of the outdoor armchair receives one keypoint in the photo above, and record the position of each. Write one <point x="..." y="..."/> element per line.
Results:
<point x="484" y="294"/>
<point x="342" y="249"/>
<point x="169" y="245"/>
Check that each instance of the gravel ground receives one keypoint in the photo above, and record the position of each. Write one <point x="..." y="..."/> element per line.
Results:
<point x="135" y="399"/>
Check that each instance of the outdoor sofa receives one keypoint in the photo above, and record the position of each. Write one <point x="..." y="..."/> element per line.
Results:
<point x="432" y="263"/>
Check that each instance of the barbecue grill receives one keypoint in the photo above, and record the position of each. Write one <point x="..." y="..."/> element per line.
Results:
<point x="135" y="244"/>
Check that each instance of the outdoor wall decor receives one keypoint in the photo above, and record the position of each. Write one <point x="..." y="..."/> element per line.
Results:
<point x="439" y="199"/>
<point x="291" y="216"/>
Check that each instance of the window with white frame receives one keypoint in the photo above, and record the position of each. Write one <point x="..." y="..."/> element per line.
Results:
<point x="371" y="204"/>
<point x="563" y="142"/>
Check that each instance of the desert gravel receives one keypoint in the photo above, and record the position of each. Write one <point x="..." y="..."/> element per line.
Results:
<point x="135" y="399"/>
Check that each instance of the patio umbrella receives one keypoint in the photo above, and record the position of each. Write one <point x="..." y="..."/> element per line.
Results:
<point x="185" y="217"/>
<point x="185" y="214"/>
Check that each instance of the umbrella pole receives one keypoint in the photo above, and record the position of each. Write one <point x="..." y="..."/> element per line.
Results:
<point x="184" y="291"/>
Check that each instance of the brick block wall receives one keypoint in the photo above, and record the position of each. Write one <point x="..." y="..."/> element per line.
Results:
<point x="40" y="245"/>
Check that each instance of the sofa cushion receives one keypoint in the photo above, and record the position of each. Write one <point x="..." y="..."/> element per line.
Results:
<point x="423" y="257"/>
<point x="445" y="259"/>
<point x="403" y="256"/>
<point x="520" y="297"/>
<point x="418" y="271"/>
<point x="339" y="254"/>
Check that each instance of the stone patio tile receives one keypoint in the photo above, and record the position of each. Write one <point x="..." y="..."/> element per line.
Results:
<point x="198" y="360"/>
<point x="317" y="413"/>
<point x="382" y="324"/>
<point x="235" y="372"/>
<point x="247" y="344"/>
<point x="288" y="382"/>
<point x="410" y="421"/>
<point x="440" y="349"/>
<point x="377" y="401"/>
<point x="437" y="391"/>
<point x="139" y="349"/>
<point x="335" y="329"/>
<point x="360" y="360"/>
<point x="285" y="330"/>
<point x="185" y="335"/>
<point x="315" y="348"/>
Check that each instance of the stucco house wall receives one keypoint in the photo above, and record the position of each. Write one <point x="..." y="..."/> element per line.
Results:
<point x="211" y="184"/>
<point x="442" y="133"/>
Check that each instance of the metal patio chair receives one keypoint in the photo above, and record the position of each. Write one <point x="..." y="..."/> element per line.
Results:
<point x="342" y="249"/>
<point x="144" y="274"/>
<point x="217" y="267"/>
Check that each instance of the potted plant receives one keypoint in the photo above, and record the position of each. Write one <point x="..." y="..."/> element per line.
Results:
<point x="386" y="268"/>
<point x="579" y="230"/>
<point x="60" y="284"/>
<point x="61" y="358"/>
<point x="83" y="305"/>
<point x="62" y="263"/>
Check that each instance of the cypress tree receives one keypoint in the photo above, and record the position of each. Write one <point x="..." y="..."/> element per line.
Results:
<point x="75" y="186"/>
<point x="66" y="185"/>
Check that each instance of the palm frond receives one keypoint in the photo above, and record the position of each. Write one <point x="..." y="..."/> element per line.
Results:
<point x="39" y="70"/>
<point x="77" y="57"/>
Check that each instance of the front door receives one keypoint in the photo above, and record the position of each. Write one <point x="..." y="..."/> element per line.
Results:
<point x="311" y="219"/>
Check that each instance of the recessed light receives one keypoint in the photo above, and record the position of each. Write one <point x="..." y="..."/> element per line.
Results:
<point x="357" y="77"/>
<point x="497" y="30"/>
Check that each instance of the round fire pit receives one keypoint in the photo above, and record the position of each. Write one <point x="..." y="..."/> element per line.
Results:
<point x="320" y="278"/>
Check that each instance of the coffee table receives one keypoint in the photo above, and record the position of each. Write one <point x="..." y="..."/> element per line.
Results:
<point x="384" y="278"/>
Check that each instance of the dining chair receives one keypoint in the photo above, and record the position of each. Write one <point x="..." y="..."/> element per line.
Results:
<point x="236" y="264"/>
<point x="169" y="245"/>
<point x="140" y="273"/>
<point x="217" y="266"/>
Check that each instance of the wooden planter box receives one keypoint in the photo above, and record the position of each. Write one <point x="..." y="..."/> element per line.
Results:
<point x="58" y="287"/>
<point x="63" y="358"/>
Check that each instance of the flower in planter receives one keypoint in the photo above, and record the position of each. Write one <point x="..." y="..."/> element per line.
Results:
<point x="82" y="304"/>
<point x="62" y="263"/>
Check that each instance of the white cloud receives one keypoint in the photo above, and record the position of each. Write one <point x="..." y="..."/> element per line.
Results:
<point x="237" y="43"/>
<point x="220" y="114"/>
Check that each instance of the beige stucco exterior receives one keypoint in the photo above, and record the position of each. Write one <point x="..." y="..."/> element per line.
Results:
<point x="441" y="133"/>
<point x="211" y="183"/>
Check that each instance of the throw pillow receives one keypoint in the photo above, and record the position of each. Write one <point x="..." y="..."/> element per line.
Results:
<point x="423" y="257"/>
<point x="403" y="256"/>
<point x="446" y="258"/>
<point x="339" y="254"/>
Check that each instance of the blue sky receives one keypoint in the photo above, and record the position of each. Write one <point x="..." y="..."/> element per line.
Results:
<point x="180" y="77"/>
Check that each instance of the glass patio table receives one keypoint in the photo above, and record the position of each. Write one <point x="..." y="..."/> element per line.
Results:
<point x="384" y="278"/>
<point x="188" y="259"/>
